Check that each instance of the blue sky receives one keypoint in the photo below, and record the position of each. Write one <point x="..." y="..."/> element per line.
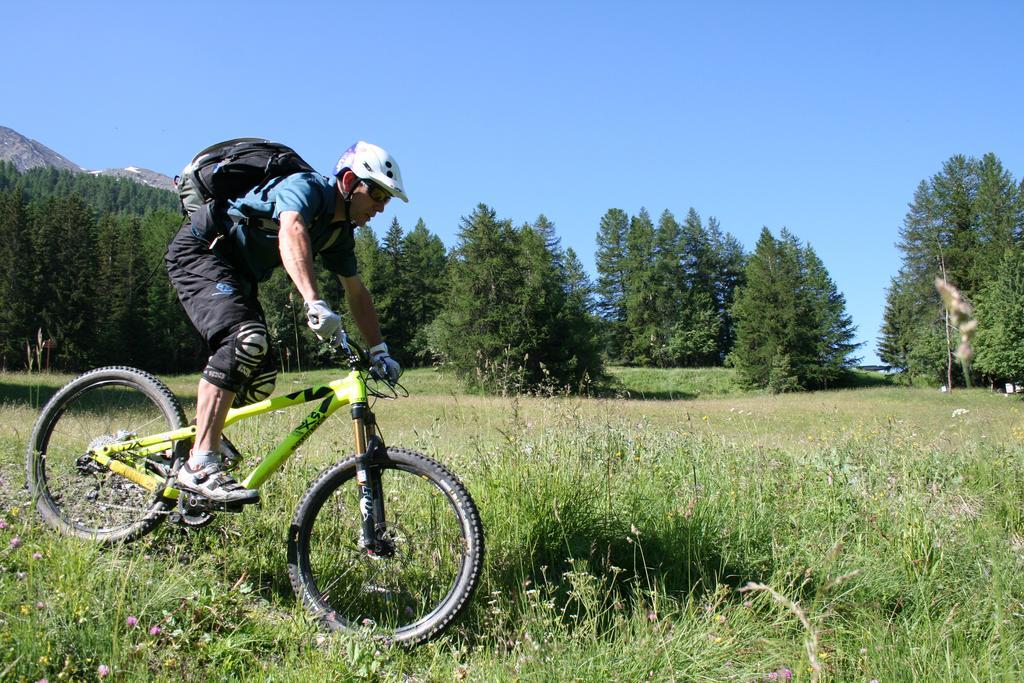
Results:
<point x="819" y="117"/>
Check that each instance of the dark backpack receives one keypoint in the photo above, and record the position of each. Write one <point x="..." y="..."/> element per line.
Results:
<point x="231" y="169"/>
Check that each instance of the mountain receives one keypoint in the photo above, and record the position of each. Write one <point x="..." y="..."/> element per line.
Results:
<point x="139" y="175"/>
<point x="26" y="153"/>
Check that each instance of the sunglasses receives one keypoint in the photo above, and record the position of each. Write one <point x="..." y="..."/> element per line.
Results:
<point x="376" y="192"/>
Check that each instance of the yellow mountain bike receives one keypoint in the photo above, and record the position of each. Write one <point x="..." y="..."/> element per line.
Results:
<point x="387" y="540"/>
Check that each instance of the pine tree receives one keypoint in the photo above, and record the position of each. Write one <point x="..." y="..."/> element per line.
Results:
<point x="479" y="326"/>
<point x="999" y="351"/>
<point x="766" y="312"/>
<point x="552" y="242"/>
<point x="957" y="228"/>
<point x="367" y="251"/>
<point x="580" y="360"/>
<point x="118" y="275"/>
<point x="640" y="334"/>
<point x="424" y="284"/>
<point x="698" y="328"/>
<point x="611" y="278"/>
<point x="895" y="340"/>
<point x="728" y="271"/>
<point x="668" y="288"/>
<point x="578" y="285"/>
<point x="16" y="293"/>
<point x="832" y="330"/>
<point x="389" y="295"/>
<point x="791" y="325"/>
<point x="508" y="323"/>
<point x="64" y="250"/>
<point x="998" y="214"/>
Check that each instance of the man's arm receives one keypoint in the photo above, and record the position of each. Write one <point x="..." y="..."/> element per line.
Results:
<point x="361" y="305"/>
<point x="297" y="254"/>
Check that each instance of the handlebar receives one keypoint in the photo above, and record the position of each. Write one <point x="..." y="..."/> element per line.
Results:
<point x="358" y="358"/>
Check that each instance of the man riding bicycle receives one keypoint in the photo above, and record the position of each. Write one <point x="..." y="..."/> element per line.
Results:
<point x="216" y="261"/>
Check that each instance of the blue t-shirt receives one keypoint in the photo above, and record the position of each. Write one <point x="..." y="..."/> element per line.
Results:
<point x="256" y="220"/>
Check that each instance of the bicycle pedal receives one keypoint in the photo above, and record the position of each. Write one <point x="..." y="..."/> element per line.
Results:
<point x="193" y="504"/>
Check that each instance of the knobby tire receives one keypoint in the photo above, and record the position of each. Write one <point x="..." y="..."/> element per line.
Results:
<point x="87" y="500"/>
<point x="414" y="594"/>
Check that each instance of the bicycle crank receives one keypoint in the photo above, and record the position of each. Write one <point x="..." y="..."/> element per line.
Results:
<point x="195" y="511"/>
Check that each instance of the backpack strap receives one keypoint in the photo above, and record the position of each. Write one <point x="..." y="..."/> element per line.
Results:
<point x="266" y="186"/>
<point x="333" y="238"/>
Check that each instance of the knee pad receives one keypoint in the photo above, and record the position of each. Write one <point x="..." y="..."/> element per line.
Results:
<point x="243" y="363"/>
<point x="259" y="386"/>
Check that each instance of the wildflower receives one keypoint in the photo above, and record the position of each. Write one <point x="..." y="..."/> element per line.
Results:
<point x="154" y="631"/>
<point x="22" y="576"/>
<point x="37" y="556"/>
<point x="651" y="616"/>
<point x="103" y="671"/>
<point x="131" y="621"/>
<point x="40" y="605"/>
<point x="15" y="542"/>
<point x="786" y="674"/>
<point x="3" y="524"/>
<point x="773" y="676"/>
<point x="24" y="609"/>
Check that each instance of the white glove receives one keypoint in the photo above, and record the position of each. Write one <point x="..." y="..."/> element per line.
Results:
<point x="324" y="322"/>
<point x="381" y="360"/>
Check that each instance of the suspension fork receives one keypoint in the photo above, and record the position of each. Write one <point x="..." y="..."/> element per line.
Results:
<point x="371" y="452"/>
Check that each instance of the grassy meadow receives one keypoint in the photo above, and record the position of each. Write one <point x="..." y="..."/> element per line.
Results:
<point x="681" y="530"/>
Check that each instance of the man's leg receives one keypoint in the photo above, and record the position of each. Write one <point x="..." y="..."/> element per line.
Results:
<point x="223" y="308"/>
<point x="211" y="411"/>
<point x="230" y="368"/>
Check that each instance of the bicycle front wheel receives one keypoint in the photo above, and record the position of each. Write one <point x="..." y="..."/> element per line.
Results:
<point x="417" y="590"/>
<point x="73" y="492"/>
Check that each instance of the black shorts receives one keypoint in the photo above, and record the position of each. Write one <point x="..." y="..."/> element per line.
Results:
<point x="216" y="294"/>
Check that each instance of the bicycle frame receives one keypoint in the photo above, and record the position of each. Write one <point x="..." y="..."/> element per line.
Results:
<point x="349" y="390"/>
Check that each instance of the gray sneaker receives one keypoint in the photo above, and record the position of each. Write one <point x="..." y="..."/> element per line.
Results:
<point x="212" y="482"/>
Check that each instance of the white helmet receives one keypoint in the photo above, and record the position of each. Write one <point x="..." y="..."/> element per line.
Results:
<point x="370" y="162"/>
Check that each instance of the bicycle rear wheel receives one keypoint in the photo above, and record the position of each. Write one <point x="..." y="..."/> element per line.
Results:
<point x="411" y="595"/>
<point x="77" y="495"/>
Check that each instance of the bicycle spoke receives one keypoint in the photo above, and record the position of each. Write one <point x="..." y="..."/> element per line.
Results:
<point x="77" y="494"/>
<point x="390" y="591"/>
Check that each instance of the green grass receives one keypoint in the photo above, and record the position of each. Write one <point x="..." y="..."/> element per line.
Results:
<point x="675" y="383"/>
<point x="620" y="532"/>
